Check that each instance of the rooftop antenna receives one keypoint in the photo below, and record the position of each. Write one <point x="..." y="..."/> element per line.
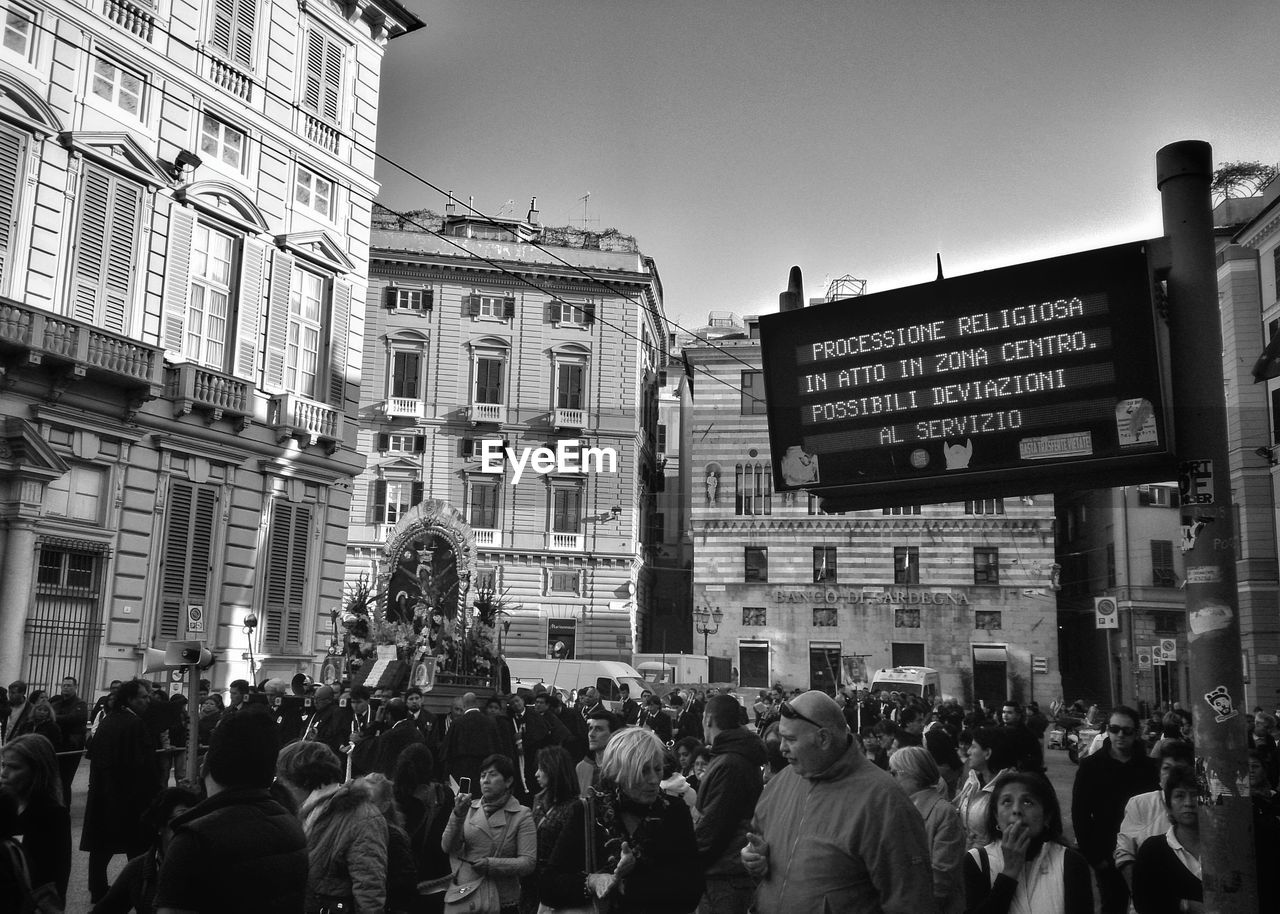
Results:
<point x="586" y="219"/>
<point x="847" y="286"/>
<point x="506" y="208"/>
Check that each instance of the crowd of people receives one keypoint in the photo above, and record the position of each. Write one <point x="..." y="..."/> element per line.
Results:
<point x="539" y="802"/>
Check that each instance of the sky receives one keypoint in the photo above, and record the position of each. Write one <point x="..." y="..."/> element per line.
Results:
<point x="735" y="138"/>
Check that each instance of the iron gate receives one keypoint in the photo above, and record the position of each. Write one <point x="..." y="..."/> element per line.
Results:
<point x="64" y="627"/>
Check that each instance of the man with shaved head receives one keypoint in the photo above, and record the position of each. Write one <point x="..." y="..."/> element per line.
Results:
<point x="831" y="831"/>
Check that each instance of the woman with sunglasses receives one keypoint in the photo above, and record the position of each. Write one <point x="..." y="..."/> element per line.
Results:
<point x="1026" y="868"/>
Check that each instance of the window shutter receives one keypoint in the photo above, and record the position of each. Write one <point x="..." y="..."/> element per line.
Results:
<point x="285" y="590"/>
<point x="122" y="242"/>
<point x="340" y="344"/>
<point x="555" y="312"/>
<point x="187" y="553"/>
<point x="1144" y="497"/>
<point x="182" y="223"/>
<point x="224" y="13"/>
<point x="468" y="447"/>
<point x="589" y="312"/>
<point x="379" y="501"/>
<point x="314" y="78"/>
<point x="278" y="320"/>
<point x="249" y="310"/>
<point x="473" y="305"/>
<point x="91" y="242"/>
<point x="509" y="307"/>
<point x="417" y="490"/>
<point x="323" y="88"/>
<point x="389" y="295"/>
<point x="246" y="14"/>
<point x="428" y="299"/>
<point x="12" y="154"/>
<point x="384" y="443"/>
<point x="419" y="444"/>
<point x="332" y="80"/>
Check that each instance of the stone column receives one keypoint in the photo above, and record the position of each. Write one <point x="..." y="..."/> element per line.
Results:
<point x="17" y="570"/>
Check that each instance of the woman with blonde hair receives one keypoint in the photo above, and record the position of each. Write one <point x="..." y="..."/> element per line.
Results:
<point x="916" y="772"/>
<point x="642" y="854"/>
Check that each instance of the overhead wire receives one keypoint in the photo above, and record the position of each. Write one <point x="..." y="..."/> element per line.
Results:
<point x="351" y="189"/>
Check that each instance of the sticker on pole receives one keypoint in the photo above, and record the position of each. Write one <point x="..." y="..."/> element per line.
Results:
<point x="1195" y="482"/>
<point x="1106" y="612"/>
<point x="1220" y="701"/>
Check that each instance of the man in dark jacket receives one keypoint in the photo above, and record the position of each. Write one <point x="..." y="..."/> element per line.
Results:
<point x="239" y="850"/>
<point x="727" y="797"/>
<point x="1027" y="749"/>
<point x="472" y="738"/>
<point x="532" y="735"/>
<point x="1104" y="783"/>
<point x="379" y="753"/>
<point x="123" y="780"/>
<point x="630" y="710"/>
<point x="687" y="722"/>
<point x="72" y="716"/>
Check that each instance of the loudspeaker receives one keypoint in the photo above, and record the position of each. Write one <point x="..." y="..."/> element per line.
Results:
<point x="155" y="661"/>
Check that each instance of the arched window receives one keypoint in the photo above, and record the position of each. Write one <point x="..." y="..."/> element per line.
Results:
<point x="753" y="489"/>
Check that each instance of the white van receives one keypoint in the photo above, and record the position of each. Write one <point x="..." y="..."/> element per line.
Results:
<point x="910" y="680"/>
<point x="608" y="676"/>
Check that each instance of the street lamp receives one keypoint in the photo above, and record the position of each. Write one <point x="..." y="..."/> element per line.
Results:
<point x="707" y="622"/>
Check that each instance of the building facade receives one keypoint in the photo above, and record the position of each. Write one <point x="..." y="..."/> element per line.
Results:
<point x="812" y="600"/>
<point x="185" y="189"/>
<point x="512" y="371"/>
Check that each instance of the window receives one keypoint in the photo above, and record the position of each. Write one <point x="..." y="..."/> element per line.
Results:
<point x="569" y="383"/>
<point x="753" y="664"/>
<point x="753" y="393"/>
<point x="313" y="192"/>
<point x="906" y="617"/>
<point x="753" y="489"/>
<point x="900" y="511"/>
<point x="662" y="438"/>
<point x="573" y="315"/>
<point x="285" y="577"/>
<point x="489" y="372"/>
<point x="1158" y="496"/>
<point x="1162" y="563"/>
<point x="77" y="494"/>
<point x="1164" y="623"/>
<point x="562" y="636"/>
<point x="987" y="620"/>
<point x="487" y="578"/>
<point x="322" y="81"/>
<point x="13" y="151"/>
<point x="984" y="506"/>
<point x="406" y="374"/>
<point x="563" y="582"/>
<point x="186" y="555"/>
<point x="756" y="561"/>
<point x="566" y="509"/>
<point x="825" y="617"/>
<point x="304" y="333"/>
<point x="119" y="86"/>
<point x="392" y="499"/>
<point x="986" y="565"/>
<point x="209" y="303"/>
<point x="64" y="624"/>
<point x="494" y="307"/>
<point x="19" y="31"/>
<point x="824" y="565"/>
<point x="754" y="615"/>
<point x="104" y="266"/>
<point x="1111" y="564"/>
<point x="222" y="142"/>
<point x="410" y="299"/>
<point x="401" y="443"/>
<point x="482" y="505"/>
<point x="232" y="32"/>
<point x="906" y="564"/>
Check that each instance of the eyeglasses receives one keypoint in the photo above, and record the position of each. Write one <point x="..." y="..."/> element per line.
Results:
<point x="789" y="712"/>
<point x="1127" y="731"/>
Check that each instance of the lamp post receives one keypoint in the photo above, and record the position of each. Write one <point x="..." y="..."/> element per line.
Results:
<point x="707" y="622"/>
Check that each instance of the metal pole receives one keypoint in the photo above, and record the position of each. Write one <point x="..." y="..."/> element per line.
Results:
<point x="193" y="724"/>
<point x="1183" y="173"/>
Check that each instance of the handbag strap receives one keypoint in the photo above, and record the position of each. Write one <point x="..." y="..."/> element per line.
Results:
<point x="589" y="831"/>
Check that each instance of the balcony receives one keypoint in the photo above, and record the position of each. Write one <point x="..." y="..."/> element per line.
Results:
<point x="75" y="351"/>
<point x="488" y="539"/>
<point x="196" y="388"/>
<point x="492" y="413"/>
<point x="404" y="408"/>
<point x="569" y="418"/>
<point x="310" y="422"/>
<point x="131" y="17"/>
<point x="322" y="134"/>
<point x="565" y="542"/>
<point x="231" y="78"/>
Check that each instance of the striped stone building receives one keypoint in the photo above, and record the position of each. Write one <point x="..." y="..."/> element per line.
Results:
<point x="807" y="599"/>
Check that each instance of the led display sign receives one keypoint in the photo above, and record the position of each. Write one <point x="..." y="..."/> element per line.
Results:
<point x="1013" y="381"/>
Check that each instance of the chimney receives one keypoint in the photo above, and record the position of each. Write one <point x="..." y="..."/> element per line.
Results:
<point x="532" y="218"/>
<point x="449" y="207"/>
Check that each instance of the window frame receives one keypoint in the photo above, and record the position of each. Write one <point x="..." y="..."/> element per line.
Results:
<point x="323" y="74"/>
<point x="116" y="84"/>
<point x="300" y="184"/>
<point x="825" y="567"/>
<point x="295" y="319"/>
<point x="984" y="507"/>
<point x="215" y="157"/>
<point x="493" y="495"/>
<point x="755" y="616"/>
<point x="1164" y="572"/>
<point x="241" y="17"/>
<point x="906" y="565"/>
<point x="753" y="489"/>
<point x="760" y="567"/>
<point x="562" y="489"/>
<point x="28" y="56"/>
<point x="402" y="350"/>
<point x="826" y="617"/>
<point x="752" y="400"/>
<point x="986" y="572"/>
<point x="208" y="287"/>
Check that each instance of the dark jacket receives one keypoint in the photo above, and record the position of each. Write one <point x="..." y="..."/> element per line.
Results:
<point x="1103" y="785"/>
<point x="380" y="753"/>
<point x="46" y="840"/>
<point x="239" y="850"/>
<point x="134" y="889"/>
<point x="123" y="779"/>
<point x="727" y="796"/>
<point x="1160" y="881"/>
<point x="472" y="738"/>
<point x="347" y="848"/>
<point x="72" y="716"/>
<point x="657" y="721"/>
<point x="688" y="723"/>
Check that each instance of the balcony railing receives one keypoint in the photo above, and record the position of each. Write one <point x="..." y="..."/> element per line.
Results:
<point x="82" y="349"/>
<point x="297" y="417"/>
<point x="194" y="387"/>
<point x="488" y="412"/>
<point x="490" y="539"/>
<point x="565" y="542"/>
<point x="232" y="79"/>
<point x="322" y="134"/>
<point x="569" y="418"/>
<point x="404" y="408"/>
<point x="130" y="17"/>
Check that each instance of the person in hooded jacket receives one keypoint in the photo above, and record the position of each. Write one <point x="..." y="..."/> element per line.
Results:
<point x="346" y="834"/>
<point x="727" y="795"/>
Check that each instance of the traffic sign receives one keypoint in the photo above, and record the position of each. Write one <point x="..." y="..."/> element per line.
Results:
<point x="1022" y="379"/>
<point x="195" y="619"/>
<point x="1169" y="648"/>
<point x="1106" y="612"/>
<point x="1144" y="658"/>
